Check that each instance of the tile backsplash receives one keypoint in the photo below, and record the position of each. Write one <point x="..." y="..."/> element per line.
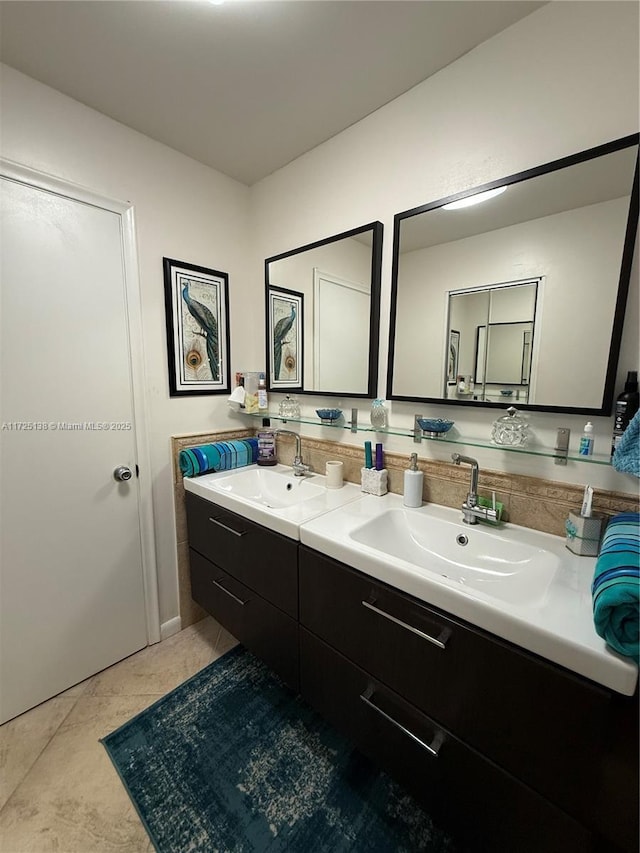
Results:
<point x="528" y="501"/>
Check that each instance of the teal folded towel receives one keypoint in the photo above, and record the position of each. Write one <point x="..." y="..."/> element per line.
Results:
<point x="616" y="586"/>
<point x="221" y="456"/>
<point x="627" y="454"/>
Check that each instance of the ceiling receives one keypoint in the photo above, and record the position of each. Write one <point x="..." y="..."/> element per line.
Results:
<point x="243" y="87"/>
<point x="594" y="181"/>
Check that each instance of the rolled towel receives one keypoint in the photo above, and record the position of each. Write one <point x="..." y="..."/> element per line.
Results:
<point x="616" y="586"/>
<point x="220" y="456"/>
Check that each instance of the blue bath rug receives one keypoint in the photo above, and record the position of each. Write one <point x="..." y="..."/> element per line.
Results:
<point x="233" y="762"/>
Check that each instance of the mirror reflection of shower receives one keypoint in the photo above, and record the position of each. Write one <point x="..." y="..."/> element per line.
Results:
<point x="491" y="342"/>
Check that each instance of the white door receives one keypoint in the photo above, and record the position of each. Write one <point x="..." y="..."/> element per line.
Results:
<point x="71" y="584"/>
<point x="341" y="327"/>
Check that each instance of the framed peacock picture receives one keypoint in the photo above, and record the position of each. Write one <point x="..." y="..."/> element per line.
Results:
<point x="197" y="315"/>
<point x="284" y="334"/>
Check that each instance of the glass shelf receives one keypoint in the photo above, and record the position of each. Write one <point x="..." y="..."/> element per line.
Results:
<point x="406" y="432"/>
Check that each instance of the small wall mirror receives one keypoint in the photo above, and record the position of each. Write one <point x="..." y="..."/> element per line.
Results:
<point x="323" y="315"/>
<point x="522" y="297"/>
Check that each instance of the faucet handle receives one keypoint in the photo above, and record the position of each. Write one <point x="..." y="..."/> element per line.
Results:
<point x="299" y="467"/>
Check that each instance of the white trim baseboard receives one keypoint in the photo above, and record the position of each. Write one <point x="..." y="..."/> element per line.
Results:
<point x="171" y="627"/>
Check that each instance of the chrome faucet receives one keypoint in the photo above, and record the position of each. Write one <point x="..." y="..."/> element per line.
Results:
<point x="299" y="468"/>
<point x="471" y="512"/>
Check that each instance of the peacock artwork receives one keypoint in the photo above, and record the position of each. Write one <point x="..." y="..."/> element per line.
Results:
<point x="201" y="357"/>
<point x="285" y="324"/>
<point x="197" y="322"/>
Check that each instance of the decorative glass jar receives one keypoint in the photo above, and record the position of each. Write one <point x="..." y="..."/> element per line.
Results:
<point x="289" y="408"/>
<point x="378" y="415"/>
<point x="511" y="430"/>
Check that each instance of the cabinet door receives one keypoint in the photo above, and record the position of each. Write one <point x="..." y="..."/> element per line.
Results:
<point x="537" y="721"/>
<point x="262" y="560"/>
<point x="262" y="628"/>
<point x="471" y="797"/>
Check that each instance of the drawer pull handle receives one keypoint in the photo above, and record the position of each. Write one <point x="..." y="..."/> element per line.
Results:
<point x="440" y="641"/>
<point x="230" y="594"/>
<point x="226" y="527"/>
<point x="432" y="748"/>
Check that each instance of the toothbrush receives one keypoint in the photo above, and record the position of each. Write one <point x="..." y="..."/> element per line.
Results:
<point x="585" y="512"/>
<point x="379" y="459"/>
<point x="368" y="460"/>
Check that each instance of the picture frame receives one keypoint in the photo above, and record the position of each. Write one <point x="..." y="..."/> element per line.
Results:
<point x="453" y="355"/>
<point x="197" y="320"/>
<point x="285" y="345"/>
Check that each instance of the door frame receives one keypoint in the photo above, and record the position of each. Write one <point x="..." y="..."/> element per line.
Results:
<point x="21" y="174"/>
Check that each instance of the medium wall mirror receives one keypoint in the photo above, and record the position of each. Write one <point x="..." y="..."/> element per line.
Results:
<point x="520" y="298"/>
<point x="323" y="315"/>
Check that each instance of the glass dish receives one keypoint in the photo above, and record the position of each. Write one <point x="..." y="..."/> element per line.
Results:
<point x="435" y="427"/>
<point x="511" y="430"/>
<point x="328" y="416"/>
<point x="289" y="408"/>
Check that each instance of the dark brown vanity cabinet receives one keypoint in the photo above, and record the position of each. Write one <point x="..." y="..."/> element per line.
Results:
<point x="514" y="754"/>
<point x="485" y="733"/>
<point x="246" y="577"/>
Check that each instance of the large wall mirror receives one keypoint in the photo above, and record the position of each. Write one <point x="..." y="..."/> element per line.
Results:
<point x="323" y="315"/>
<point x="520" y="298"/>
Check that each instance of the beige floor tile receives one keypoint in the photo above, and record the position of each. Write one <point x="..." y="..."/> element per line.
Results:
<point x="60" y="791"/>
<point x="161" y="667"/>
<point x="24" y="738"/>
<point x="72" y="800"/>
<point x="77" y="689"/>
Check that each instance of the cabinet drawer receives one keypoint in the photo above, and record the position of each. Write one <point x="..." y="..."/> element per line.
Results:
<point x="262" y="628"/>
<point x="262" y="560"/>
<point x="478" y="802"/>
<point x="535" y="720"/>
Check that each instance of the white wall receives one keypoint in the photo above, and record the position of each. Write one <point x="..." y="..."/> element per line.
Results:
<point x="562" y="80"/>
<point x="183" y="210"/>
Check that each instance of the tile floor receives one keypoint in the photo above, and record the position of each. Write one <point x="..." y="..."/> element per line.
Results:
<point x="58" y="789"/>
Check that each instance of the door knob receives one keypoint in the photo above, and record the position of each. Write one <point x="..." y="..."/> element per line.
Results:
<point x="122" y="474"/>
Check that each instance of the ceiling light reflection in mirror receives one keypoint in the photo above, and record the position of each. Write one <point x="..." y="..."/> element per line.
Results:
<point x="565" y="226"/>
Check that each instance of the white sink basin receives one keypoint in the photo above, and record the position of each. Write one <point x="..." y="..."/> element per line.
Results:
<point x="272" y="496"/>
<point x="473" y="556"/>
<point x="274" y="489"/>
<point x="519" y="584"/>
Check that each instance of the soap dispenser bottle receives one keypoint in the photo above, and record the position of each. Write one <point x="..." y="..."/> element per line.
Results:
<point x="413" y="483"/>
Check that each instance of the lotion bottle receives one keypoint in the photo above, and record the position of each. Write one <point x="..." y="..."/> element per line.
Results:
<point x="413" y="484"/>
<point x="586" y="442"/>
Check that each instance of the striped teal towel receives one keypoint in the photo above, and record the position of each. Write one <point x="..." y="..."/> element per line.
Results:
<point x="221" y="456"/>
<point x="616" y="585"/>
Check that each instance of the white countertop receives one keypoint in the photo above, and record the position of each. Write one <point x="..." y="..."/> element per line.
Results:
<point x="557" y="626"/>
